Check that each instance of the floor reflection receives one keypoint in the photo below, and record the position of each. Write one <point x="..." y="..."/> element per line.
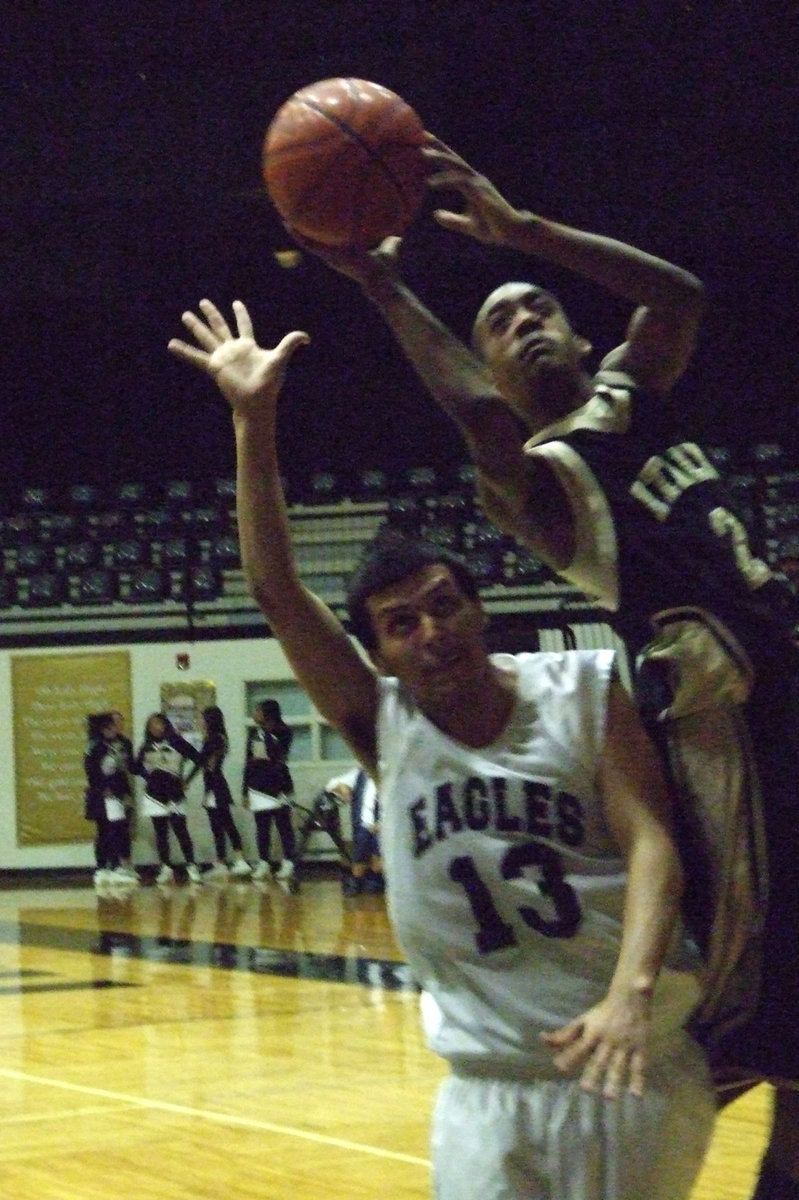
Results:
<point x="238" y="927"/>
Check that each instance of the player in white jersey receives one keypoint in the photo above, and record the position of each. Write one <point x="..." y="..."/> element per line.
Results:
<point x="531" y="871"/>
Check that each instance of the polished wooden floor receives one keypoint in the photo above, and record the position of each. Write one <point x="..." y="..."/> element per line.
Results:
<point x="228" y="1040"/>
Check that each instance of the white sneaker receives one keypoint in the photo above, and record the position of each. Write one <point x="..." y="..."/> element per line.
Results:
<point x="165" y="875"/>
<point x="193" y="872"/>
<point x="240" y="868"/>
<point x="101" y="876"/>
<point x="262" y="870"/>
<point x="123" y="875"/>
<point x="285" y="870"/>
<point x="217" y="871"/>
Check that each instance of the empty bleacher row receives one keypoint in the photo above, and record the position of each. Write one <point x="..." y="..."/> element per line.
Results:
<point x="159" y="561"/>
<point x="163" y="560"/>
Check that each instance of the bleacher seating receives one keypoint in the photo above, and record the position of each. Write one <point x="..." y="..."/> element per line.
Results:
<point x="138" y="560"/>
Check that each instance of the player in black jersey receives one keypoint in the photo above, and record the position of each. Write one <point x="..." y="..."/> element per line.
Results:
<point x="593" y="473"/>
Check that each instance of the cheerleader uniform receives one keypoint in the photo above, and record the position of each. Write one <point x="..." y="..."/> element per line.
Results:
<point x="160" y="763"/>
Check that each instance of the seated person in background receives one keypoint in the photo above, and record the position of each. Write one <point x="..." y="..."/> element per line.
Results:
<point x="360" y="792"/>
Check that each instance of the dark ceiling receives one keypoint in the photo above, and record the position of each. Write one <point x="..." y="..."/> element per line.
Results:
<point x="130" y="188"/>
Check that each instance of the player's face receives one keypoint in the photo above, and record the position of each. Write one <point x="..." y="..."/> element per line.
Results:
<point x="528" y="344"/>
<point x="429" y="635"/>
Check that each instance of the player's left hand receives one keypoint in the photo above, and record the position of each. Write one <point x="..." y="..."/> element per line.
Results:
<point x="608" y="1043"/>
<point x="487" y="216"/>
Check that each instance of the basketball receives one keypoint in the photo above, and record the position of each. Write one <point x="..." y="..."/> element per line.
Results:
<point x="342" y="162"/>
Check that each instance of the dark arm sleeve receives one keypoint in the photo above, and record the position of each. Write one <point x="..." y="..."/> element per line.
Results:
<point x="91" y="764"/>
<point x="278" y="744"/>
<point x="138" y="767"/>
<point x="185" y="748"/>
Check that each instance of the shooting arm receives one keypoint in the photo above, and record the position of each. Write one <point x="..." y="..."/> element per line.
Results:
<point x="668" y="300"/>
<point x="454" y="376"/>
<point x="524" y="498"/>
<point x="662" y="332"/>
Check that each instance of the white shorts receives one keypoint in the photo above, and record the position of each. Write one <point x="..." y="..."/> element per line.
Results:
<point x="155" y="808"/>
<point x="261" y="802"/>
<point x="114" y="809"/>
<point x="498" y="1140"/>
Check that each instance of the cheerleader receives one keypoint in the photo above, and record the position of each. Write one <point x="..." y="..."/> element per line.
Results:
<point x="106" y="767"/>
<point x="218" y="801"/>
<point x="268" y="786"/>
<point x="160" y="762"/>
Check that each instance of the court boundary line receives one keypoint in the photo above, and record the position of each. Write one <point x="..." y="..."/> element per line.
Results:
<point x="209" y="1115"/>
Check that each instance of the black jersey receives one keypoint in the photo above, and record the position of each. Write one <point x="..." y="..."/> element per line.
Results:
<point x="656" y="528"/>
<point x="106" y="767"/>
<point x="265" y="767"/>
<point x="212" y="757"/>
<point x="659" y="544"/>
<point x="160" y="763"/>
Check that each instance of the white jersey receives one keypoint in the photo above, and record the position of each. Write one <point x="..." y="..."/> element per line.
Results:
<point x="505" y="886"/>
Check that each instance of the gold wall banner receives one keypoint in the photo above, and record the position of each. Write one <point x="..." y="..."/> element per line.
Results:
<point x="52" y="695"/>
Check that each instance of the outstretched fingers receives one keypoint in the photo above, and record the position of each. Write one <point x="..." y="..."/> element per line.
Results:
<point x="200" y="331"/>
<point x="190" y="354"/>
<point x="209" y="334"/>
<point x="243" y="319"/>
<point x="216" y="321"/>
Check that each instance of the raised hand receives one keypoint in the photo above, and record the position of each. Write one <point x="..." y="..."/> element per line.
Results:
<point x="608" y="1043"/>
<point x="487" y="217"/>
<point x="244" y="371"/>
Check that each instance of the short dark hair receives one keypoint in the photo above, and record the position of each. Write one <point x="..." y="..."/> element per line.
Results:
<point x="391" y="557"/>
<point x="96" y="723"/>
<point x="475" y="339"/>
<point x="270" y="709"/>
<point x="169" y="728"/>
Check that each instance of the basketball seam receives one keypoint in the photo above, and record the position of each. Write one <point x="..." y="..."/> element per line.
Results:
<point x="345" y="128"/>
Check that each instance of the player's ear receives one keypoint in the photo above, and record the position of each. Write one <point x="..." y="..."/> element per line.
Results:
<point x="583" y="345"/>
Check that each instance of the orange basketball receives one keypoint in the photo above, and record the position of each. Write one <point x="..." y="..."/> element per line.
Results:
<point x="342" y="162"/>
